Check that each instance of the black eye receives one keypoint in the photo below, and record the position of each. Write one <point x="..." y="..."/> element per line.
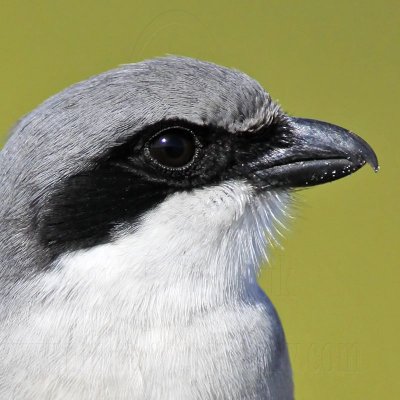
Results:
<point x="172" y="147"/>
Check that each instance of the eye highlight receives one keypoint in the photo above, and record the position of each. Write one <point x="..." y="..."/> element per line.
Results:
<point x="173" y="147"/>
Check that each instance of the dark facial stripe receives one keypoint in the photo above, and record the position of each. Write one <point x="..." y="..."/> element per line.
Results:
<point x="86" y="209"/>
<point x="89" y="207"/>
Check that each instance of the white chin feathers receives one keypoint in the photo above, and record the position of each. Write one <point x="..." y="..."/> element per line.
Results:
<point x="208" y="241"/>
<point x="230" y="220"/>
<point x="254" y="222"/>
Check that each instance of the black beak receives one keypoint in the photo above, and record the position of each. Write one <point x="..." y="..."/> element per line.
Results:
<point x="317" y="153"/>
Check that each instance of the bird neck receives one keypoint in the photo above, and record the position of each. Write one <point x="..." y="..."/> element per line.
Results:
<point x="189" y="254"/>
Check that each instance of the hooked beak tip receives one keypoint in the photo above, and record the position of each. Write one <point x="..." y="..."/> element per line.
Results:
<point x="365" y="151"/>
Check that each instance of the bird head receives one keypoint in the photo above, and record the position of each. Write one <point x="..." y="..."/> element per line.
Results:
<point x="185" y="156"/>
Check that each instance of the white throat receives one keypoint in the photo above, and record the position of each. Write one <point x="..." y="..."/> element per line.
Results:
<point x="180" y="290"/>
<point x="197" y="249"/>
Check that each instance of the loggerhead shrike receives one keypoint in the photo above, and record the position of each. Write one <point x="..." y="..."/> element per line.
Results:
<point x="136" y="207"/>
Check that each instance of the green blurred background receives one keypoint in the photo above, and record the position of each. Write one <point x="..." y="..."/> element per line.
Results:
<point x="336" y="284"/>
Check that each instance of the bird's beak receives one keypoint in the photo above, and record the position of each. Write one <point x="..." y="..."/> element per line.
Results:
<point x="317" y="152"/>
